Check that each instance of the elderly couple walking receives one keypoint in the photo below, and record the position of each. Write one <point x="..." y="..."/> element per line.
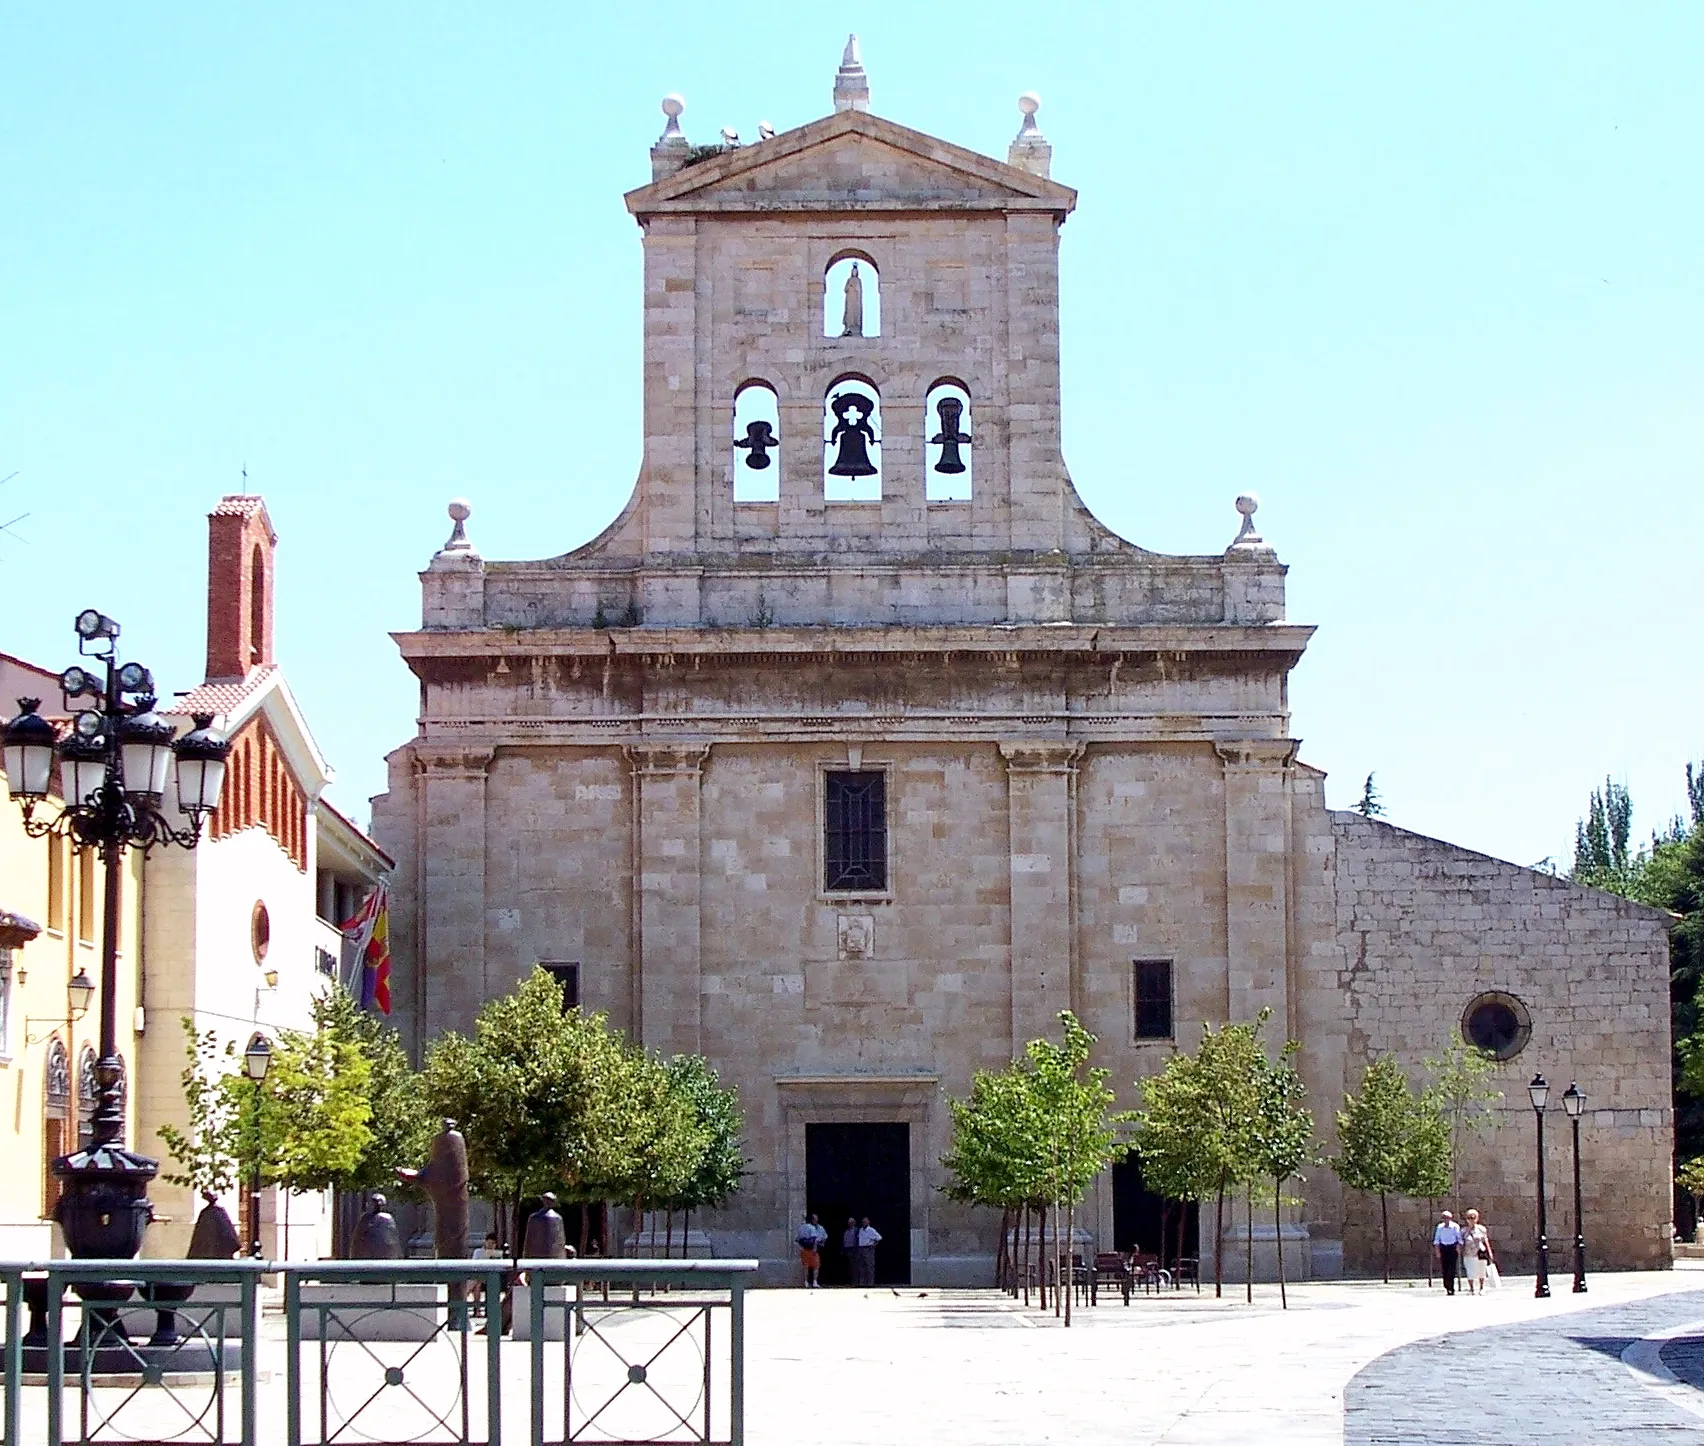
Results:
<point x="858" y="1243"/>
<point x="1463" y="1250"/>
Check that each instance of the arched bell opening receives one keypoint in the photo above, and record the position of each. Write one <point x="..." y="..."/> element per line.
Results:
<point x="851" y="296"/>
<point x="947" y="442"/>
<point x="852" y="442"/>
<point x="757" y="443"/>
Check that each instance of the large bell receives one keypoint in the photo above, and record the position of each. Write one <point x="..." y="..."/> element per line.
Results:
<point x="949" y="439"/>
<point x="759" y="439"/>
<point x="854" y="436"/>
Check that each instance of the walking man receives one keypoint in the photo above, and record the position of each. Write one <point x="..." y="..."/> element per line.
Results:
<point x="849" y="1248"/>
<point x="868" y="1239"/>
<point x="1446" y="1241"/>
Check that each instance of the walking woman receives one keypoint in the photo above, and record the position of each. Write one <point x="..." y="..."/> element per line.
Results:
<point x="1477" y="1257"/>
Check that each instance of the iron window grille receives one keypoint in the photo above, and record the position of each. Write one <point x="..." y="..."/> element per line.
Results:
<point x="855" y="832"/>
<point x="567" y="977"/>
<point x="1153" y="993"/>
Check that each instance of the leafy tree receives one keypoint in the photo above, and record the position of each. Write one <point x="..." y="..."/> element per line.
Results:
<point x="1601" y="857"/>
<point x="400" y="1124"/>
<point x="1690" y="1178"/>
<point x="996" y="1157"/>
<point x="1373" y="1129"/>
<point x="1281" y="1140"/>
<point x="538" y="1094"/>
<point x="1370" y="804"/>
<point x="1460" y="1090"/>
<point x="656" y="1142"/>
<point x="1428" y="1161"/>
<point x="716" y="1111"/>
<point x="207" y="1151"/>
<point x="314" y="1111"/>
<point x="1177" y="1163"/>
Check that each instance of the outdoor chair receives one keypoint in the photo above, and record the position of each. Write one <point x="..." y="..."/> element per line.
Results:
<point x="1145" y="1271"/>
<point x="1188" y="1268"/>
<point x="1111" y="1269"/>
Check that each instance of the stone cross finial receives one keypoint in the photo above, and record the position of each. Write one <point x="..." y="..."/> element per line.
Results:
<point x="851" y="85"/>
<point x="1030" y="150"/>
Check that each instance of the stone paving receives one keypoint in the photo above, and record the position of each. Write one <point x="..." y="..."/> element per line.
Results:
<point x="1357" y="1363"/>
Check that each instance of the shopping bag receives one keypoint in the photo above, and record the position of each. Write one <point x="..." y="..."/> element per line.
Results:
<point x="1492" y="1278"/>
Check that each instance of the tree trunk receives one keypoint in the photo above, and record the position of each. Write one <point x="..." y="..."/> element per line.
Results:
<point x="1041" y="1257"/>
<point x="1219" y="1244"/>
<point x="1070" y="1257"/>
<point x="668" y="1235"/>
<point x="1023" y="1268"/>
<point x="1384" y="1225"/>
<point x="1432" y="1206"/>
<point x="518" y="1226"/>
<point x="1248" y="1242"/>
<point x="1182" y="1225"/>
<point x="585" y="1228"/>
<point x="1278" y="1227"/>
<point x="1000" y="1251"/>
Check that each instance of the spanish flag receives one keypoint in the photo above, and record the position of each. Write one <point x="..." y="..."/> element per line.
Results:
<point x="368" y="939"/>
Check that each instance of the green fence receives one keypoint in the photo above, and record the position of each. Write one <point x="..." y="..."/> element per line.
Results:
<point x="257" y="1352"/>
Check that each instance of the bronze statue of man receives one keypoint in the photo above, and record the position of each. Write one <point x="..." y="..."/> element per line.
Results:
<point x="376" y="1235"/>
<point x="445" y="1180"/>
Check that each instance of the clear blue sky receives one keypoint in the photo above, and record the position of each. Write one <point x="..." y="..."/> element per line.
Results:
<point x="1431" y="284"/>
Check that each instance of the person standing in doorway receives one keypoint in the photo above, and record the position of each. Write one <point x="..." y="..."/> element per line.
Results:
<point x="849" y="1248"/>
<point x="810" y="1240"/>
<point x="1446" y="1242"/>
<point x="868" y="1239"/>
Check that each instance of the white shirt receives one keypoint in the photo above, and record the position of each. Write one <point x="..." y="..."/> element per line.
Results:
<point x="1447" y="1233"/>
<point x="869" y="1235"/>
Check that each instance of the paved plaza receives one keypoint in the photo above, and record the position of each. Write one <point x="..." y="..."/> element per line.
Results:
<point x="1359" y="1363"/>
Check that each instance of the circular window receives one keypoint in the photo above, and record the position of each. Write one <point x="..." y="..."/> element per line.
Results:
<point x="1498" y="1024"/>
<point x="260" y="931"/>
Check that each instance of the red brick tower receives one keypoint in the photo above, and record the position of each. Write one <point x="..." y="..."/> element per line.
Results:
<point x="240" y="544"/>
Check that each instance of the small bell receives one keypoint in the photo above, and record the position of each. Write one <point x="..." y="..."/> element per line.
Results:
<point x="855" y="437"/>
<point x="759" y="439"/>
<point x="949" y="439"/>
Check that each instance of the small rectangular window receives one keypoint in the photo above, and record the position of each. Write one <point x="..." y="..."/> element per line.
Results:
<point x="567" y="977"/>
<point x="1153" y="981"/>
<point x="56" y="884"/>
<point x="86" y="896"/>
<point x="854" y="845"/>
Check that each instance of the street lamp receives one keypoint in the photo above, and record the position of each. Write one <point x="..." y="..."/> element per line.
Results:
<point x="115" y="770"/>
<point x="1575" y="1103"/>
<point x="1539" y="1091"/>
<point x="257" y="1059"/>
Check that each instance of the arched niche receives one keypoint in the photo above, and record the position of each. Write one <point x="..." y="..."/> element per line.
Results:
<point x="850" y="309"/>
<point x="852" y="441"/>
<point x="757" y="443"/>
<point x="948" y="443"/>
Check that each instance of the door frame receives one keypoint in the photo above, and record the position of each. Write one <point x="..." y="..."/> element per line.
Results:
<point x="888" y="1099"/>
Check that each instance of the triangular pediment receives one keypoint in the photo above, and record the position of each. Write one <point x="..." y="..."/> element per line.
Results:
<point x="850" y="161"/>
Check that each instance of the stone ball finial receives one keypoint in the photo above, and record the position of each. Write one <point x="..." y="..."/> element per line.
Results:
<point x="1029" y="103"/>
<point x="459" y="510"/>
<point x="1248" y="504"/>
<point x="673" y="105"/>
<point x="672" y="136"/>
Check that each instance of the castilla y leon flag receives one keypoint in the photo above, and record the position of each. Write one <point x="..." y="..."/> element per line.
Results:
<point x="367" y="937"/>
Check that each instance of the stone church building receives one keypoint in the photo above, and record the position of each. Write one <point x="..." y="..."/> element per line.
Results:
<point x="855" y="749"/>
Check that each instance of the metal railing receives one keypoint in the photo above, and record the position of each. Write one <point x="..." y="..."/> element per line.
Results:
<point x="617" y="1352"/>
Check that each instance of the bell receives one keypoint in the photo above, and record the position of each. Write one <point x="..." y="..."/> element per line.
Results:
<point x="758" y="440"/>
<point x="949" y="439"/>
<point x="854" y="436"/>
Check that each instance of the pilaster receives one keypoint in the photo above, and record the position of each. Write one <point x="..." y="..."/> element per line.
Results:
<point x="451" y="958"/>
<point x="1257" y="875"/>
<point x="666" y="822"/>
<point x="1041" y="793"/>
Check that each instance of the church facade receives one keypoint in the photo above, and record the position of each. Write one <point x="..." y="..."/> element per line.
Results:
<point x="856" y="749"/>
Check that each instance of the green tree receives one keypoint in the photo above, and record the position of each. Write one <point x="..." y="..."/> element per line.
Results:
<point x="997" y="1157"/>
<point x="1370" y="804"/>
<point x="1459" y="1085"/>
<point x="400" y="1124"/>
<point x="1373" y="1129"/>
<point x="537" y="1092"/>
<point x="657" y="1141"/>
<point x="1177" y="1163"/>
<point x="1601" y="857"/>
<point x="314" y="1111"/>
<point x="1281" y="1140"/>
<point x="716" y="1112"/>
<point x="1428" y="1161"/>
<point x="1690" y="1178"/>
<point x="207" y="1151"/>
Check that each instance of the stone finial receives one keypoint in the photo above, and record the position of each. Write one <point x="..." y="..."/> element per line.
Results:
<point x="672" y="147"/>
<point x="1247" y="539"/>
<point x="457" y="551"/>
<point x="1030" y="150"/>
<point x="851" y="85"/>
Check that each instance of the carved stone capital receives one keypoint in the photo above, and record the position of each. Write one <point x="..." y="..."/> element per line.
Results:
<point x="435" y="762"/>
<point x="666" y="760"/>
<point x="1041" y="756"/>
<point x="1266" y="754"/>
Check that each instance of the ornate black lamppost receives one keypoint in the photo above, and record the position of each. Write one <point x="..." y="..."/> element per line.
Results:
<point x="115" y="769"/>
<point x="257" y="1059"/>
<point x="1575" y="1103"/>
<point x="1539" y="1091"/>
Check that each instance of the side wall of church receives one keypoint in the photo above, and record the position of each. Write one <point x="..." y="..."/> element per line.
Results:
<point x="1425" y="927"/>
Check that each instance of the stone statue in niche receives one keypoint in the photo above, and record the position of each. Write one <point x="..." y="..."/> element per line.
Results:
<point x="949" y="439"/>
<point x="852" y="318"/>
<point x="857" y="935"/>
<point x="854" y="435"/>
<point x="759" y="439"/>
